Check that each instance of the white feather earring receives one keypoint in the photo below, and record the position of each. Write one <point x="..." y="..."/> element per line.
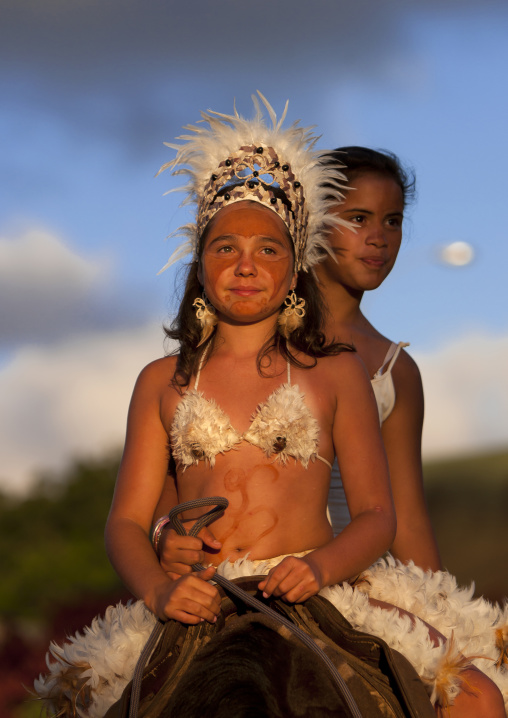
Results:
<point x="206" y="316"/>
<point x="291" y="318"/>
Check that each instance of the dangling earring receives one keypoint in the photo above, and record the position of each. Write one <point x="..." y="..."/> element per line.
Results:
<point x="291" y="318"/>
<point x="205" y="314"/>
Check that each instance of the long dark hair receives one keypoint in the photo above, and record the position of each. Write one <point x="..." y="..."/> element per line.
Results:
<point x="359" y="160"/>
<point x="309" y="338"/>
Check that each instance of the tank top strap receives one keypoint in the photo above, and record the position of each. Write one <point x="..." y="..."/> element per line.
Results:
<point x="390" y="358"/>
<point x="288" y="371"/>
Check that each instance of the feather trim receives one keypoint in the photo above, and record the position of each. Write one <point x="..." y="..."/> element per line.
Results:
<point x="286" y="418"/>
<point x="446" y="682"/>
<point x="502" y="646"/>
<point x="88" y="673"/>
<point x="282" y="427"/>
<point x="200" y="430"/>
<point x="437" y="599"/>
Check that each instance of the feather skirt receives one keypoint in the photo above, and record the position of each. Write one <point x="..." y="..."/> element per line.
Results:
<point x="89" y="672"/>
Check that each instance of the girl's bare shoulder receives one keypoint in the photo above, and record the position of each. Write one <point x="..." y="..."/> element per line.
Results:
<point x="343" y="367"/>
<point x="407" y="378"/>
<point x="338" y="374"/>
<point x="157" y="375"/>
<point x="406" y="369"/>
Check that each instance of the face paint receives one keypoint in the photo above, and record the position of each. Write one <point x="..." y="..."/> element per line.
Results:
<point x="246" y="267"/>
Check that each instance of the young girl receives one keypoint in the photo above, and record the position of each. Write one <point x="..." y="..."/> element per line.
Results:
<point x="365" y="256"/>
<point x="254" y="408"/>
<point x="252" y="251"/>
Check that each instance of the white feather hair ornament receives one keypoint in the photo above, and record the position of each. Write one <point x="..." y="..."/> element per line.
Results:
<point x="234" y="159"/>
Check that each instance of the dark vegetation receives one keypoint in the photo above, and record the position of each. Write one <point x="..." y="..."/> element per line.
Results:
<point x="468" y="502"/>
<point x="55" y="574"/>
<point x="51" y="542"/>
<point x="56" y="577"/>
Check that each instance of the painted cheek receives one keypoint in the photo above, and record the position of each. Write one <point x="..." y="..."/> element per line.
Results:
<point x="278" y="273"/>
<point x="213" y="276"/>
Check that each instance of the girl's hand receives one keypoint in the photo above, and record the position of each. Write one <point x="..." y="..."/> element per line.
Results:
<point x="294" y="580"/>
<point x="189" y="599"/>
<point x="177" y="554"/>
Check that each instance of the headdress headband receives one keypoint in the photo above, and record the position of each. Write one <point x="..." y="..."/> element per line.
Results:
<point x="235" y="159"/>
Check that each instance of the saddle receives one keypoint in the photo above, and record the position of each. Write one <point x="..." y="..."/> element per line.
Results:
<point x="249" y="665"/>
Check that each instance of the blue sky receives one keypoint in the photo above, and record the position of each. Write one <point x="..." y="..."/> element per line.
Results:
<point x="90" y="91"/>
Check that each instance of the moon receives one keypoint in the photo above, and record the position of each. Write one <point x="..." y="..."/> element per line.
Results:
<point x="457" y="254"/>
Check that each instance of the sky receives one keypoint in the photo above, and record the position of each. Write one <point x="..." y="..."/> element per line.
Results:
<point x="89" y="92"/>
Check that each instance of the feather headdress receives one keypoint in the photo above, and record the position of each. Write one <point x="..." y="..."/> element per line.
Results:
<point x="229" y="159"/>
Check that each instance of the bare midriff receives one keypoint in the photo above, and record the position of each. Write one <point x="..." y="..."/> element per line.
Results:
<point x="273" y="509"/>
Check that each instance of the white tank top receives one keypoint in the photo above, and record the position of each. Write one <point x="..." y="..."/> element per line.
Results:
<point x="384" y="391"/>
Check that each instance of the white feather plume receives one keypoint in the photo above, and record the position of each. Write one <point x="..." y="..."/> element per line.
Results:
<point x="206" y="145"/>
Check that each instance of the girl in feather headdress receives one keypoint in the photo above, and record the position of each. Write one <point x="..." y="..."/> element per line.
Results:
<point x="362" y="258"/>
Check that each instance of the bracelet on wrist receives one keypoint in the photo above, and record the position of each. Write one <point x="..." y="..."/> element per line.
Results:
<point x="157" y="531"/>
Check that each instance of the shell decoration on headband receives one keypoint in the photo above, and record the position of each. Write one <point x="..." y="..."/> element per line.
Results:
<point x="228" y="159"/>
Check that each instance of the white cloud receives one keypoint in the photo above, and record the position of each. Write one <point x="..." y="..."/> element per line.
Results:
<point x="466" y="395"/>
<point x="36" y="259"/>
<point x="69" y="399"/>
<point x="44" y="285"/>
<point x="49" y="291"/>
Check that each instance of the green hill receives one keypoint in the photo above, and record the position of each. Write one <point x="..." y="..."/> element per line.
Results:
<point x="468" y="503"/>
<point x="51" y="542"/>
<point x="488" y="468"/>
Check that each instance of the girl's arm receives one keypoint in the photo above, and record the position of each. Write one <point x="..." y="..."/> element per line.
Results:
<point x="402" y="433"/>
<point x="358" y="444"/>
<point x="139" y="485"/>
<point x="178" y="553"/>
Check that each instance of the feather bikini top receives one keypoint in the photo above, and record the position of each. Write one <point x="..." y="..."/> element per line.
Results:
<point x="282" y="427"/>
